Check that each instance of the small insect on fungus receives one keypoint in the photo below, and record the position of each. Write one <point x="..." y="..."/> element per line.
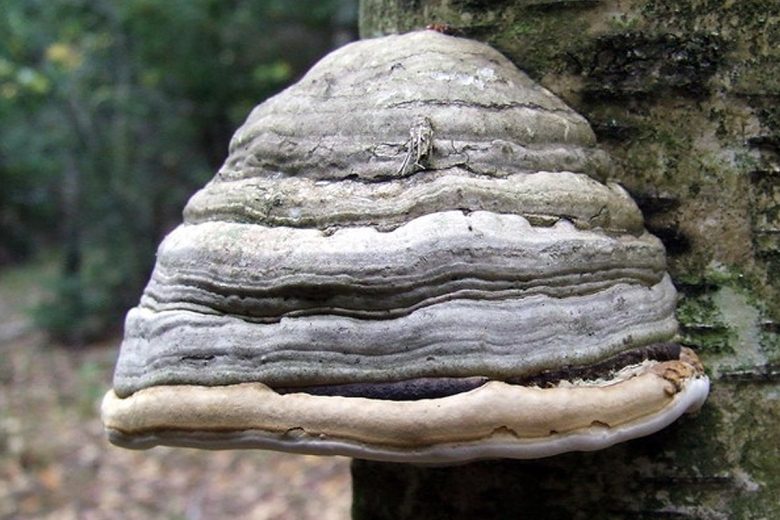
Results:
<point x="443" y="28"/>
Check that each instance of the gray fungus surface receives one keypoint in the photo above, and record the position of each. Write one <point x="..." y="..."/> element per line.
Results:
<point x="415" y="209"/>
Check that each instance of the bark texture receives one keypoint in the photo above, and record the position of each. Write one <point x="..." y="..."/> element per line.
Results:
<point x="685" y="96"/>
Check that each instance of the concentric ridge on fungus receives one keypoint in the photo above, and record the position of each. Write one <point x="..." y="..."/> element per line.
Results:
<point x="411" y="255"/>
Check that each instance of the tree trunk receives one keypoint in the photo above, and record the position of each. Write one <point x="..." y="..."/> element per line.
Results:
<point x="685" y="95"/>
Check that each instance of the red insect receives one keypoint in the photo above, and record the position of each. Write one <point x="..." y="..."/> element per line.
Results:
<point x="442" y="28"/>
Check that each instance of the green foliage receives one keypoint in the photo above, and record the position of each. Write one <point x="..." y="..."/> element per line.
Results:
<point x="113" y="113"/>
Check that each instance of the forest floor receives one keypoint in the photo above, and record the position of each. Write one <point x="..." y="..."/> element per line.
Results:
<point x="55" y="461"/>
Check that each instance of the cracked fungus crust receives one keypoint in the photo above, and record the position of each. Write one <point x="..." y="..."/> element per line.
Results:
<point x="415" y="220"/>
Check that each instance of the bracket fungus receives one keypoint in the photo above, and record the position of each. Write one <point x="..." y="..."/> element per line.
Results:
<point x="409" y="255"/>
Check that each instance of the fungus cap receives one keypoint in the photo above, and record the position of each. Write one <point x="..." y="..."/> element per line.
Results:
<point x="408" y="255"/>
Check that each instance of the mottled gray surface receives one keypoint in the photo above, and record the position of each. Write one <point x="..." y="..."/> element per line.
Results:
<point x="360" y="272"/>
<point x="352" y="113"/>
<point x="542" y="197"/>
<point x="459" y="337"/>
<point x="414" y="207"/>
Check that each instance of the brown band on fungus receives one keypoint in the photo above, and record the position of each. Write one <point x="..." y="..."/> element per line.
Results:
<point x="407" y="390"/>
<point x="435" y="387"/>
<point x="602" y="369"/>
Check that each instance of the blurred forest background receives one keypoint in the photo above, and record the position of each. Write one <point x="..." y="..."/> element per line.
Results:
<point x="112" y="113"/>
